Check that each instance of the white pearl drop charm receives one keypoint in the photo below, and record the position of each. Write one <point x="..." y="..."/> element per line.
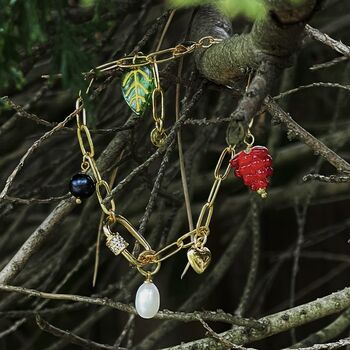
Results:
<point x="147" y="300"/>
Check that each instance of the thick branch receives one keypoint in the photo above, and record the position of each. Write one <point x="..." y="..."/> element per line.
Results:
<point x="279" y="322"/>
<point x="338" y="326"/>
<point x="275" y="39"/>
<point x="251" y="102"/>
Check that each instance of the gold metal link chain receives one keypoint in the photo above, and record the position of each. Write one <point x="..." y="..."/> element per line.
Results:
<point x="148" y="262"/>
<point x="158" y="134"/>
<point x="196" y="238"/>
<point x="160" y="56"/>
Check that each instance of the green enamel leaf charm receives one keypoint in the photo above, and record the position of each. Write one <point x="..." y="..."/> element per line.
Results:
<point x="137" y="87"/>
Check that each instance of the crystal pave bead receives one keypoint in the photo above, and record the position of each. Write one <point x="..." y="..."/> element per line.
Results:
<point x="147" y="300"/>
<point x="115" y="242"/>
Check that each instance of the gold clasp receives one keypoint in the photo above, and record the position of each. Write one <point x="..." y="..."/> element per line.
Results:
<point x="120" y="244"/>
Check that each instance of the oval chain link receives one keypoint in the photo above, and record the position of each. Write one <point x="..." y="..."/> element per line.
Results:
<point x="205" y="216"/>
<point x="92" y="164"/>
<point x="101" y="199"/>
<point x="160" y="256"/>
<point x="214" y="191"/>
<point x="228" y="150"/>
<point x="158" y="134"/>
<point x="83" y="130"/>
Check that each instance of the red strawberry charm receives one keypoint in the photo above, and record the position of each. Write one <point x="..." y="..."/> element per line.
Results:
<point x="254" y="166"/>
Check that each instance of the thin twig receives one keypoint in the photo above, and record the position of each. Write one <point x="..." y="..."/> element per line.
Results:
<point x="329" y="63"/>
<point x="327" y="40"/>
<point x="317" y="84"/>
<point x="31" y="149"/>
<point x="165" y="30"/>
<point x="23" y="113"/>
<point x="29" y="201"/>
<point x="125" y="330"/>
<point x="253" y="270"/>
<point x="72" y="338"/>
<point x="328" y="179"/>
<point x="301" y="221"/>
<point x="226" y="343"/>
<point x="328" y="346"/>
<point x="298" y="131"/>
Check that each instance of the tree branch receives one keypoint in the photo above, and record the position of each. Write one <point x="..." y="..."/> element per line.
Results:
<point x="216" y="316"/>
<point x="275" y="39"/>
<point x="278" y="323"/>
<point x="296" y="130"/>
<point x="327" y="40"/>
<point x="72" y="338"/>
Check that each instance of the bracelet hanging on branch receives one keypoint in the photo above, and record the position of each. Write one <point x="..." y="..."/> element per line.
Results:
<point x="140" y="85"/>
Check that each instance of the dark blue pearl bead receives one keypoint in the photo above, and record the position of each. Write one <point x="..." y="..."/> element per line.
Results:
<point x="81" y="186"/>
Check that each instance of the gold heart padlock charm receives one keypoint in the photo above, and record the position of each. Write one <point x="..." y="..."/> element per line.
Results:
<point x="199" y="258"/>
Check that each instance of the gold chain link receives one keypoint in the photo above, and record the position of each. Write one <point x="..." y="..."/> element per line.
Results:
<point x="158" y="134"/>
<point x="228" y="150"/>
<point x="83" y="130"/>
<point x="101" y="199"/>
<point x="160" y="56"/>
<point x="88" y="162"/>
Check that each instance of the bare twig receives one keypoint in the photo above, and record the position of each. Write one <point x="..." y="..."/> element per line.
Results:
<point x="226" y="343"/>
<point x="23" y="113"/>
<point x="316" y="145"/>
<point x="327" y="333"/>
<point x="72" y="338"/>
<point x="329" y="63"/>
<point x="125" y="330"/>
<point x="300" y="211"/>
<point x="35" y="145"/>
<point x="29" y="201"/>
<point x="327" y="40"/>
<point x="328" y="179"/>
<point x="317" y="84"/>
<point x="12" y="120"/>
<point x="328" y="346"/>
<point x="253" y="269"/>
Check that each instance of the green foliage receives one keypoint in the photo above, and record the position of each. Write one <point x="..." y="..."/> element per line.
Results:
<point x="21" y="26"/>
<point x="88" y="3"/>
<point x="296" y="2"/>
<point x="69" y="57"/>
<point x="253" y="9"/>
<point x="26" y="25"/>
